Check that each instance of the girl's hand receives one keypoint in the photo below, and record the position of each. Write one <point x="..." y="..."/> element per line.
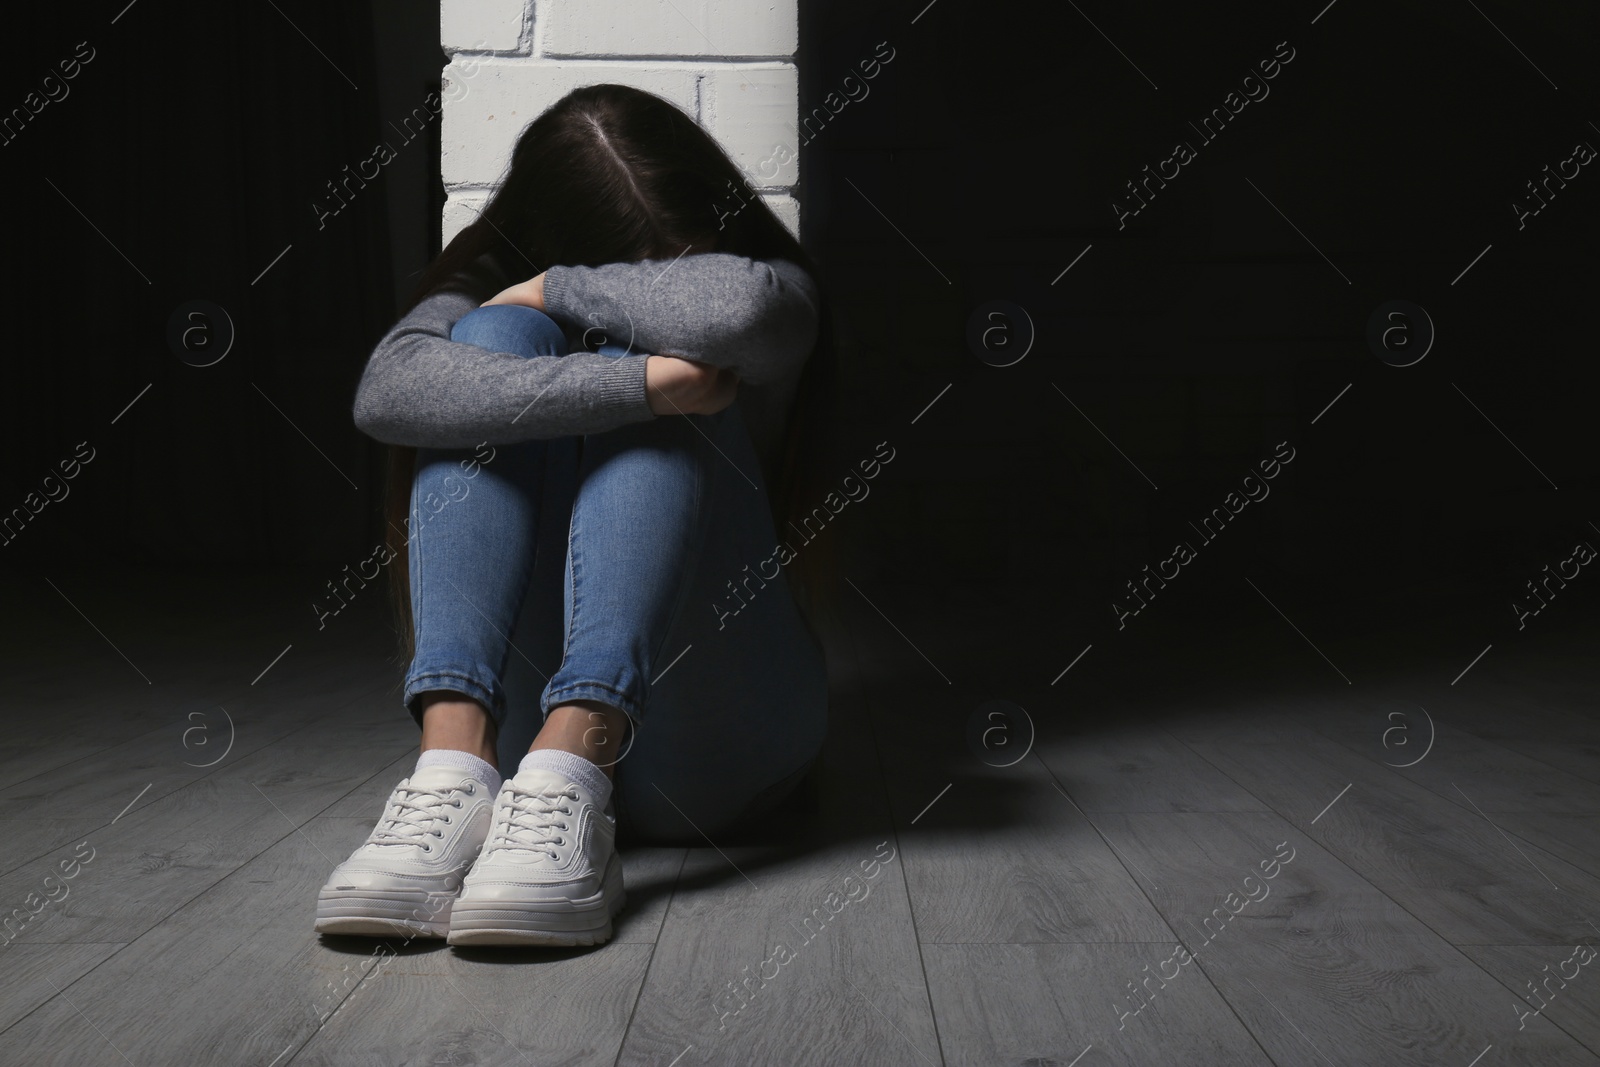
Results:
<point x="529" y="294"/>
<point x="686" y="387"/>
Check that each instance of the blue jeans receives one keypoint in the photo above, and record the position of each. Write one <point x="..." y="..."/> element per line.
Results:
<point x="645" y="530"/>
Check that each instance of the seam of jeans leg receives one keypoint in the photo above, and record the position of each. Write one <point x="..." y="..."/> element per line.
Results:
<point x="706" y="443"/>
<point x="658" y="652"/>
<point x="527" y="564"/>
<point x="572" y="585"/>
<point x="575" y="566"/>
<point x="414" y="541"/>
<point x="574" y="576"/>
<point x="700" y="446"/>
<point x="566" y="570"/>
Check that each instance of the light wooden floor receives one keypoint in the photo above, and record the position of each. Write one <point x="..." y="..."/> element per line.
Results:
<point x="1022" y="906"/>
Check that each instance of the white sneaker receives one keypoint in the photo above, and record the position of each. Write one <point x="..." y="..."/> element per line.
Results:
<point x="549" y="873"/>
<point x="404" y="879"/>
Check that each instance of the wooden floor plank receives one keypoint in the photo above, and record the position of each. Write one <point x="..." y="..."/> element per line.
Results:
<point x="1503" y="779"/>
<point x="1575" y="837"/>
<point x="1443" y="862"/>
<point x="34" y="973"/>
<point x="1540" y="999"/>
<point x="485" y="1006"/>
<point x="232" y="977"/>
<point x="165" y="852"/>
<point x="1420" y="742"/>
<point x="1058" y="1004"/>
<point x="1003" y="857"/>
<point x="1393" y="732"/>
<point x="1140" y="768"/>
<point x="742" y="972"/>
<point x="50" y="810"/>
<point x="1543" y="715"/>
<point x="1320" y="964"/>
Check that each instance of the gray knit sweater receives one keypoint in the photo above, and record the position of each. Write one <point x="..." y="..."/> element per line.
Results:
<point x="757" y="318"/>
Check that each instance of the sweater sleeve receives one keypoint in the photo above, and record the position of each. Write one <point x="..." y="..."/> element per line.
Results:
<point x="757" y="318"/>
<point x="422" y="389"/>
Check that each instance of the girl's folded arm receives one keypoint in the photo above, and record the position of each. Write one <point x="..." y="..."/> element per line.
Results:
<point x="755" y="317"/>
<point x="422" y="389"/>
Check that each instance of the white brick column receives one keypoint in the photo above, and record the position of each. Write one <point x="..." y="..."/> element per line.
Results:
<point x="729" y="63"/>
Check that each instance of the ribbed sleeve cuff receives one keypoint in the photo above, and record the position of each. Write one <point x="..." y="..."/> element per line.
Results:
<point x="622" y="388"/>
<point x="555" y="291"/>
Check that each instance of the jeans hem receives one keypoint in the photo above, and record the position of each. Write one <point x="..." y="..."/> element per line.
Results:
<point x="590" y="691"/>
<point x="459" y="683"/>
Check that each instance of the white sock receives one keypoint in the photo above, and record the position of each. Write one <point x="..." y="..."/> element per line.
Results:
<point x="450" y="757"/>
<point x="578" y="769"/>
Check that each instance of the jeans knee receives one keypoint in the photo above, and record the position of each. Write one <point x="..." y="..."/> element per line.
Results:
<point x="514" y="328"/>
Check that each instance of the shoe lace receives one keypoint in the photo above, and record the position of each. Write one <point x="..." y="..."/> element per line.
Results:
<point x="411" y="816"/>
<point x="528" y="817"/>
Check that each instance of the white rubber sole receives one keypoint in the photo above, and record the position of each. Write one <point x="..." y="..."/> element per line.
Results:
<point x="553" y="923"/>
<point x="398" y="913"/>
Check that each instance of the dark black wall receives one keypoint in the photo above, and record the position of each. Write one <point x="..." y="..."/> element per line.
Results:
<point x="180" y="161"/>
<point x="1201" y="332"/>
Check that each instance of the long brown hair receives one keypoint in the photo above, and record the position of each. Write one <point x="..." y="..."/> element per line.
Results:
<point x="614" y="174"/>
